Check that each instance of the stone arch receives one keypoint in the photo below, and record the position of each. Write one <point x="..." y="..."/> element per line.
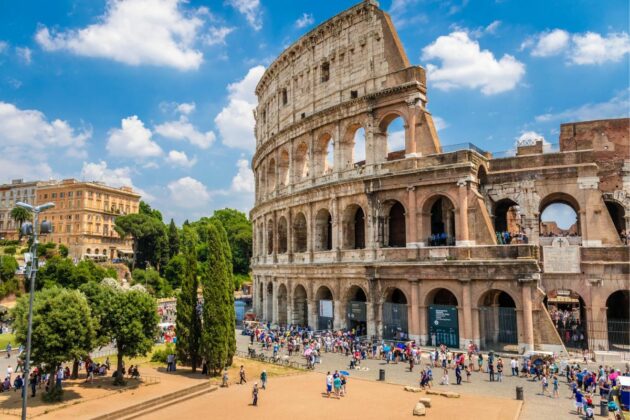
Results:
<point x="301" y="161"/>
<point x="395" y="228"/>
<point x="439" y="220"/>
<point x="443" y="317"/>
<point x="395" y="314"/>
<point x="271" y="175"/>
<point x="282" y="235"/>
<point x="497" y="319"/>
<point x="554" y="215"/>
<point x="324" y="300"/>
<point x="618" y="320"/>
<point x="395" y="140"/>
<point x="567" y="310"/>
<point x="617" y="213"/>
<point x="507" y="216"/>
<point x="282" y="304"/>
<point x="270" y="237"/>
<point x="300" y="305"/>
<point x="324" y="154"/>
<point x="283" y="168"/>
<point x="353" y="227"/>
<point x="356" y="309"/>
<point x="323" y="230"/>
<point x="300" y="233"/>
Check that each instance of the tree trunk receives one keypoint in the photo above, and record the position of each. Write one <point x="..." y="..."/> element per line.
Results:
<point x="75" y="369"/>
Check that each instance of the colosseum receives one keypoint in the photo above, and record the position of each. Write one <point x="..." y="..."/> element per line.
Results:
<point x="354" y="228"/>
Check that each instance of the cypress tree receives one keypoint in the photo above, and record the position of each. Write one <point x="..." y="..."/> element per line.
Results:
<point x="217" y="313"/>
<point x="188" y="319"/>
<point x="229" y="297"/>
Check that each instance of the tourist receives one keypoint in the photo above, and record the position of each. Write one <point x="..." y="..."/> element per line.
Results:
<point x="263" y="379"/>
<point x="242" y="376"/>
<point x="329" y="384"/>
<point x="255" y="395"/>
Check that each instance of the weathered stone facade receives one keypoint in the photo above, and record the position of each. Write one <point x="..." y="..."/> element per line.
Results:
<point x="407" y="239"/>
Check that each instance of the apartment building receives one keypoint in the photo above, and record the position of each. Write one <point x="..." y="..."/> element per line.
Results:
<point x="84" y="217"/>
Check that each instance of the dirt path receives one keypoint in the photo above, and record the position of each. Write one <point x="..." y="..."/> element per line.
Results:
<point x="301" y="397"/>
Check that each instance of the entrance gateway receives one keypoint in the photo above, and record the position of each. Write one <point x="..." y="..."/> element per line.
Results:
<point x="443" y="326"/>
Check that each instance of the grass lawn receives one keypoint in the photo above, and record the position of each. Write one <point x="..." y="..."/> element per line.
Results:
<point x="6" y="339"/>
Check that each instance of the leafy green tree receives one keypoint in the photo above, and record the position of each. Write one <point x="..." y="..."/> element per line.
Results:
<point x="8" y="266"/>
<point x="152" y="281"/>
<point x="188" y="318"/>
<point x="174" y="272"/>
<point x="239" y="233"/>
<point x="20" y="215"/>
<point x="173" y="240"/>
<point x="63" y="327"/>
<point x="217" y="312"/>
<point x="146" y="232"/>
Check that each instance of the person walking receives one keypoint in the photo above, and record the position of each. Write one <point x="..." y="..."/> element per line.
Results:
<point x="255" y="395"/>
<point x="263" y="379"/>
<point x="241" y="374"/>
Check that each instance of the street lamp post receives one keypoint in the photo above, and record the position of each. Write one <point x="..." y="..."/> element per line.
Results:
<point x="35" y="210"/>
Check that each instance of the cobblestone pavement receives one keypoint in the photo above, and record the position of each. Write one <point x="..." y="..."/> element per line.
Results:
<point x="536" y="407"/>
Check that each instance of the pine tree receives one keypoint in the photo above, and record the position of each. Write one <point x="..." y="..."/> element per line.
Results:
<point x="173" y="240"/>
<point x="217" y="313"/>
<point x="227" y="255"/>
<point x="188" y="320"/>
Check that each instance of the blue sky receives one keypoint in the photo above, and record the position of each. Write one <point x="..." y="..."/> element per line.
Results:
<point x="158" y="93"/>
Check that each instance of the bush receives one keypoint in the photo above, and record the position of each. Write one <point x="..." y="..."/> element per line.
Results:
<point x="10" y="250"/>
<point x="160" y="354"/>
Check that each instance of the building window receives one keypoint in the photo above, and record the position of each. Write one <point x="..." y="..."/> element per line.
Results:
<point x="325" y="72"/>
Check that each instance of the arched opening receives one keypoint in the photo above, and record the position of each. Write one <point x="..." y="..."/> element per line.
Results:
<point x="395" y="315"/>
<point x="357" y="310"/>
<point x="271" y="175"/>
<point x="299" y="233"/>
<point x="323" y="230"/>
<point x="617" y="214"/>
<point x="559" y="216"/>
<point x="282" y="235"/>
<point x="270" y="237"/>
<point x="443" y="318"/>
<point x="269" y="301"/>
<point x="325" y="154"/>
<point x="301" y="161"/>
<point x="618" y="320"/>
<point x="497" y="320"/>
<point x="353" y="227"/>
<point x="396" y="227"/>
<point x="568" y="313"/>
<point x="393" y="127"/>
<point x="507" y="221"/>
<point x="283" y="168"/>
<point x="282" y="304"/>
<point x="300" y="306"/>
<point x="442" y="222"/>
<point x="325" y="308"/>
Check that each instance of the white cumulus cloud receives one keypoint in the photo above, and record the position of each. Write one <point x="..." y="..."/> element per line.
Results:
<point x="188" y="192"/>
<point x="236" y="122"/>
<point x="305" y="20"/>
<point x="466" y="65"/>
<point x="251" y="10"/>
<point x="177" y="158"/>
<point x="134" y="32"/>
<point x="132" y="140"/>
<point x="182" y="129"/>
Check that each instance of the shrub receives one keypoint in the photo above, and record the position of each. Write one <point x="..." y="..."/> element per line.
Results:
<point x="160" y="354"/>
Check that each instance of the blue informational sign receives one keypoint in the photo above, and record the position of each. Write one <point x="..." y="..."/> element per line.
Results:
<point x="443" y="325"/>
